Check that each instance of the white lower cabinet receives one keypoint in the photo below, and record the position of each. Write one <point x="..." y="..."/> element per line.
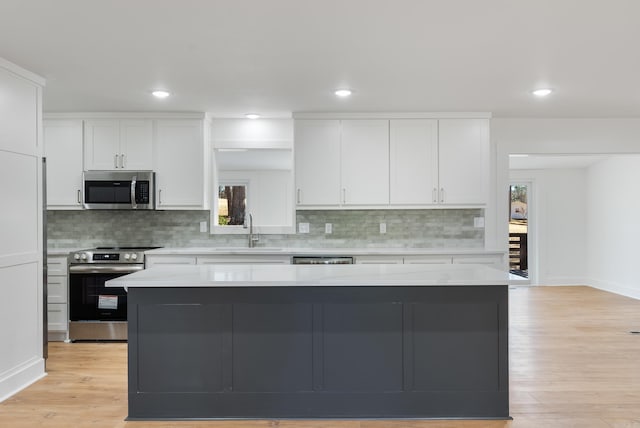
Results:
<point x="168" y="260"/>
<point x="427" y="260"/>
<point x="57" y="298"/>
<point x="244" y="260"/>
<point x="493" y="260"/>
<point x="378" y="260"/>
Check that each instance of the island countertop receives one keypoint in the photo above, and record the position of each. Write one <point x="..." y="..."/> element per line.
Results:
<point x="310" y="276"/>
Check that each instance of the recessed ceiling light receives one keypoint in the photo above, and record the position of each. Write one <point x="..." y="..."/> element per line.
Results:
<point x="542" y="92"/>
<point x="252" y="116"/>
<point x="160" y="94"/>
<point x="343" y="92"/>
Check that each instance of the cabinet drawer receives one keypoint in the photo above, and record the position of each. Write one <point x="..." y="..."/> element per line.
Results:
<point x="489" y="260"/>
<point x="57" y="289"/>
<point x="244" y="260"/>
<point x="378" y="260"/>
<point x="427" y="260"/>
<point x="57" y="316"/>
<point x="57" y="265"/>
<point x="168" y="260"/>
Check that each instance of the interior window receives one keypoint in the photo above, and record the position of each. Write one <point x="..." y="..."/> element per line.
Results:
<point x="232" y="204"/>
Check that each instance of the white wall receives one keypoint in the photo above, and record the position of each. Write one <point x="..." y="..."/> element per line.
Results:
<point x="557" y="213"/>
<point x="558" y="136"/>
<point x="21" y="306"/>
<point x="613" y="222"/>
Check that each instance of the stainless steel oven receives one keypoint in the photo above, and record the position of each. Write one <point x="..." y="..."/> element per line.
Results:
<point x="95" y="311"/>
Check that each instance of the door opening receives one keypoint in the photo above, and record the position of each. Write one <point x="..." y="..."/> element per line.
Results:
<point x="519" y="229"/>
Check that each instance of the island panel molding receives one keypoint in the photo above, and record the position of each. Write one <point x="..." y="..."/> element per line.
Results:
<point x="324" y="351"/>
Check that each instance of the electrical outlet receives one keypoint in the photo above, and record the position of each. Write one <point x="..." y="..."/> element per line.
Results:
<point x="383" y="227"/>
<point x="303" y="227"/>
<point x="203" y="226"/>
<point x="328" y="228"/>
<point x="478" y="222"/>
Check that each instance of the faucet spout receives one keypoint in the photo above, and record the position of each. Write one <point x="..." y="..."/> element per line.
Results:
<point x="253" y="239"/>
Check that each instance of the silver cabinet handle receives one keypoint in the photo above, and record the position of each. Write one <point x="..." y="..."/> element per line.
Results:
<point x="115" y="161"/>
<point x="298" y="197"/>
<point x="122" y="161"/>
<point x="79" y="200"/>
<point x="434" y="195"/>
<point x="134" y="205"/>
<point x="160" y="197"/>
<point x="344" y="195"/>
<point x="442" y="194"/>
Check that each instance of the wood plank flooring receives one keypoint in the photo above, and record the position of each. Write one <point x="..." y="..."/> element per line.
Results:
<point x="573" y="363"/>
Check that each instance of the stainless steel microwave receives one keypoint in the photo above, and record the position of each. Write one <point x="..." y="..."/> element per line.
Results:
<point x="119" y="190"/>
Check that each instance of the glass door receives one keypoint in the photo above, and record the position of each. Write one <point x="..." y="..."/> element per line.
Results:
<point x="519" y="229"/>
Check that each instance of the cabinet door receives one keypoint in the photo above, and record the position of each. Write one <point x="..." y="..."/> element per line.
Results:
<point x="413" y="161"/>
<point x="317" y="162"/>
<point x="136" y="145"/>
<point x="464" y="158"/>
<point x="180" y="161"/>
<point x="63" y="150"/>
<point x="101" y="144"/>
<point x="365" y="162"/>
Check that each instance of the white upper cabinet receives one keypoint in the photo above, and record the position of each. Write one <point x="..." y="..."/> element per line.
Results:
<point x="118" y="144"/>
<point x="365" y="162"/>
<point x="63" y="150"/>
<point x="389" y="163"/>
<point x="413" y="161"/>
<point x="317" y="162"/>
<point x="181" y="159"/>
<point x="464" y="161"/>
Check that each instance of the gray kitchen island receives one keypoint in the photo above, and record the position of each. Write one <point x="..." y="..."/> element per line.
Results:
<point x="341" y="341"/>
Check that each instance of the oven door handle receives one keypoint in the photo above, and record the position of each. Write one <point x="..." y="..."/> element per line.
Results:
<point x="105" y="268"/>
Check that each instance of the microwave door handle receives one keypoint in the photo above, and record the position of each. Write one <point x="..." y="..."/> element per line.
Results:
<point x="133" y="192"/>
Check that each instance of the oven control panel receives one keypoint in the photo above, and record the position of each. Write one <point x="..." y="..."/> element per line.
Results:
<point x="122" y="256"/>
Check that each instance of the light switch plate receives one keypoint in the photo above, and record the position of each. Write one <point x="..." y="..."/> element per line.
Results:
<point x="203" y="226"/>
<point x="383" y="227"/>
<point x="478" y="222"/>
<point x="328" y="228"/>
<point x="303" y="227"/>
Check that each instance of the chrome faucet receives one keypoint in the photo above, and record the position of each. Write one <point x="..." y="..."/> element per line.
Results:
<point x="253" y="239"/>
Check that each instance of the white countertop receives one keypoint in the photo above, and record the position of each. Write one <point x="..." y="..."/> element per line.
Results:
<point x="319" y="251"/>
<point x="311" y="275"/>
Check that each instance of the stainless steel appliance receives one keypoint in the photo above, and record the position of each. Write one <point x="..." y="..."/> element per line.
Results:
<point x="322" y="260"/>
<point x="119" y="190"/>
<point x="97" y="312"/>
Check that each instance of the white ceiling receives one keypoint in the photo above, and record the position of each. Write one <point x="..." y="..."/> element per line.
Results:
<point x="275" y="57"/>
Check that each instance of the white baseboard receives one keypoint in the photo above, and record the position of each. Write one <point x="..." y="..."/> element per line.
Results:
<point x="613" y="287"/>
<point x="20" y="377"/>
<point x="563" y="280"/>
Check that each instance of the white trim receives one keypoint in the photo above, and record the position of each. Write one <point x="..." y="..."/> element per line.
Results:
<point x="617" y="288"/>
<point x="21" y="72"/>
<point x="387" y="207"/>
<point x="389" y="115"/>
<point x="564" y="281"/>
<point x="124" y="115"/>
<point x="18" y="378"/>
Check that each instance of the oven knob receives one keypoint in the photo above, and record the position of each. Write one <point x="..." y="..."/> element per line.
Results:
<point x="126" y="256"/>
<point x="76" y="256"/>
<point x="83" y="256"/>
<point x="134" y="256"/>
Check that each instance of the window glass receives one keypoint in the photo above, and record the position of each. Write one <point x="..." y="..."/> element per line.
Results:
<point x="232" y="204"/>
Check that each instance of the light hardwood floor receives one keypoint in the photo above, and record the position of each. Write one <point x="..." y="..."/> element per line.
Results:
<point x="573" y="363"/>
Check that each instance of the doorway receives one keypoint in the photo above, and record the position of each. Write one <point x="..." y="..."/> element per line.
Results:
<point x="519" y="205"/>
